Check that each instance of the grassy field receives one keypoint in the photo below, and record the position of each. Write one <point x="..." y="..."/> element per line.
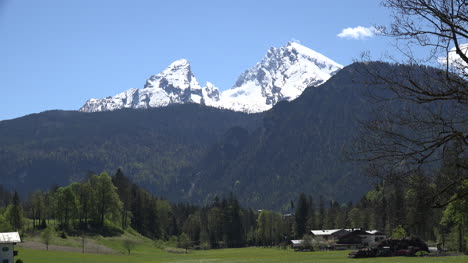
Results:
<point x="147" y="254"/>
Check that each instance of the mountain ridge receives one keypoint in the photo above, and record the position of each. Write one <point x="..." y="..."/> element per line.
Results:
<point x="282" y="74"/>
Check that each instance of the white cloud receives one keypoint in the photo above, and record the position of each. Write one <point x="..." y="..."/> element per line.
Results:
<point x="453" y="57"/>
<point x="454" y="61"/>
<point x="358" y="32"/>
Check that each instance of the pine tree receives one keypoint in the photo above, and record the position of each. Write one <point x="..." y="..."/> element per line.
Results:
<point x="232" y="223"/>
<point x="420" y="212"/>
<point x="311" y="218"/>
<point x="14" y="213"/>
<point x="123" y="185"/>
<point x="301" y="215"/>
<point x="321" y="219"/>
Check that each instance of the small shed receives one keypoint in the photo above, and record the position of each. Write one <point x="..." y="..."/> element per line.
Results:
<point x="297" y="244"/>
<point x="8" y="241"/>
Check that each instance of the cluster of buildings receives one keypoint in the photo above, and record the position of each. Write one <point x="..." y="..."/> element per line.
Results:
<point x="353" y="238"/>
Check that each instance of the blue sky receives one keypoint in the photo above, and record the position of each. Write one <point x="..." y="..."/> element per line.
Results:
<point x="56" y="54"/>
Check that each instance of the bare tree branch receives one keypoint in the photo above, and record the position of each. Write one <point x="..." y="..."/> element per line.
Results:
<point x="420" y="110"/>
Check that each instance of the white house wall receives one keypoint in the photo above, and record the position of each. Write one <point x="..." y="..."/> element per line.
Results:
<point x="6" y="253"/>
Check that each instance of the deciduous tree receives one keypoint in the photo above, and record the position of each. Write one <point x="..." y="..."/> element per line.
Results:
<point x="106" y="199"/>
<point x="47" y="236"/>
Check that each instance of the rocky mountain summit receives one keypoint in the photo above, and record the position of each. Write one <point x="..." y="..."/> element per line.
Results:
<point x="175" y="84"/>
<point x="283" y="74"/>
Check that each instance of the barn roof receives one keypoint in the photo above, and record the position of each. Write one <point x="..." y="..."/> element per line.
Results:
<point x="297" y="242"/>
<point x="325" y="232"/>
<point x="10" y="237"/>
<point x="375" y="232"/>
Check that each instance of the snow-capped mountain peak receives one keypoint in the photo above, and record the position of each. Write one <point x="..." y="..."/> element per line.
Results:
<point x="177" y="74"/>
<point x="282" y="74"/>
<point x="175" y="84"/>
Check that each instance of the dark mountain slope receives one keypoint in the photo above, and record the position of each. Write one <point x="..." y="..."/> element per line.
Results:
<point x="299" y="148"/>
<point x="56" y="147"/>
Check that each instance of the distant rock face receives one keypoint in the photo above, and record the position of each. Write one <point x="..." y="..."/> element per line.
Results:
<point x="283" y="74"/>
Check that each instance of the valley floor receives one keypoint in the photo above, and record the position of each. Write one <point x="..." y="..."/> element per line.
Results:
<point x="148" y="254"/>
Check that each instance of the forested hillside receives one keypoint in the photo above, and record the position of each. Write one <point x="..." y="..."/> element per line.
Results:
<point x="300" y="147"/>
<point x="59" y="147"/>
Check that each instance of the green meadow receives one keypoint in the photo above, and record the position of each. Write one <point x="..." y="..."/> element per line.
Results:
<point x="149" y="254"/>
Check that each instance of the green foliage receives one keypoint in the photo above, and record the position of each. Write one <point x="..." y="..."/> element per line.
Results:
<point x="66" y="206"/>
<point x="129" y="245"/>
<point x="48" y="235"/>
<point x="455" y="219"/>
<point x="421" y="253"/>
<point x="308" y="242"/>
<point x="106" y="202"/>
<point x="184" y="241"/>
<point x="14" y="213"/>
<point x="420" y="212"/>
<point x="159" y="244"/>
<point x="5" y="225"/>
<point x="95" y="207"/>
<point x="192" y="226"/>
<point x="38" y="212"/>
<point x="399" y="232"/>
<point x="232" y="225"/>
<point x="457" y="211"/>
<point x="271" y="228"/>
<point x="205" y="245"/>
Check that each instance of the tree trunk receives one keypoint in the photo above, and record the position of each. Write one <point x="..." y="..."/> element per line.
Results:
<point x="460" y="238"/>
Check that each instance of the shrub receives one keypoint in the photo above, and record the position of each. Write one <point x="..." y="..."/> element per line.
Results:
<point x="129" y="245"/>
<point x="421" y="253"/>
<point x="399" y="232"/>
<point x="47" y="236"/>
<point x="205" y="245"/>
<point x="159" y="244"/>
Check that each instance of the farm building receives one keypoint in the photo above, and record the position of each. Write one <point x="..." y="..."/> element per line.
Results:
<point x="360" y="238"/>
<point x="330" y="235"/>
<point x="297" y="244"/>
<point x="7" y="243"/>
<point x="349" y="238"/>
